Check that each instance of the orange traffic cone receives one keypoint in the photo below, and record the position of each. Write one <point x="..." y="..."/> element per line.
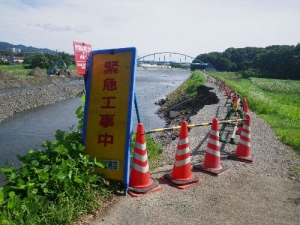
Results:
<point x="211" y="163"/>
<point x="140" y="182"/>
<point x="242" y="152"/>
<point x="236" y="103"/>
<point x="181" y="176"/>
<point x="228" y="90"/>
<point x="245" y="111"/>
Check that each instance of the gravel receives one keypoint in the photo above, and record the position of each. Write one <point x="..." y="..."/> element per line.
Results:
<point x="15" y="102"/>
<point x="265" y="192"/>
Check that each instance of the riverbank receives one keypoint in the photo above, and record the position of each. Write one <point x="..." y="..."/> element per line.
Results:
<point x="37" y="90"/>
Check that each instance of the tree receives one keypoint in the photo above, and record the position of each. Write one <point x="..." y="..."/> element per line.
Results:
<point x="36" y="60"/>
<point x="42" y="60"/>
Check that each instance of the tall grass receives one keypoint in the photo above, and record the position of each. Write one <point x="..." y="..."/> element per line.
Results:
<point x="276" y="101"/>
<point x="17" y="71"/>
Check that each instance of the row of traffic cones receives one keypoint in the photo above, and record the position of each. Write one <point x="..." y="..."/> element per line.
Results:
<point x="181" y="176"/>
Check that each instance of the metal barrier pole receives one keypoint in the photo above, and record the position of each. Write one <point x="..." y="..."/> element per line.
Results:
<point x="194" y="125"/>
<point x="136" y="108"/>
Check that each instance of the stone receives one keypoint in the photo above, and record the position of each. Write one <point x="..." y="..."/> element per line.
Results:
<point x="173" y="114"/>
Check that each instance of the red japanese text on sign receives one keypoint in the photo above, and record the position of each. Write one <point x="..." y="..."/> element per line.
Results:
<point x="111" y="67"/>
<point x="106" y="120"/>
<point x="109" y="84"/>
<point x="108" y="106"/>
<point x="105" y="139"/>
<point x="81" y="53"/>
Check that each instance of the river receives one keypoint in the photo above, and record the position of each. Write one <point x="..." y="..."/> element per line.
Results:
<point x="27" y="130"/>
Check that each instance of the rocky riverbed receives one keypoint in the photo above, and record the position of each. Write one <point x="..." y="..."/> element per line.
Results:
<point x="38" y="89"/>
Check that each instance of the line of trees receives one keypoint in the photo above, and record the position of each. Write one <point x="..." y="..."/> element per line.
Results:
<point x="45" y="60"/>
<point x="276" y="61"/>
<point x="38" y="59"/>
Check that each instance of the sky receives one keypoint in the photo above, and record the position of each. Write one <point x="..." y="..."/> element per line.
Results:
<point x="189" y="27"/>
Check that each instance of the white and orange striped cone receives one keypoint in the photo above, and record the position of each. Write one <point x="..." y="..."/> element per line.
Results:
<point x="211" y="164"/>
<point x="236" y="103"/>
<point x="181" y="176"/>
<point x="140" y="182"/>
<point x="227" y="91"/>
<point x="245" y="111"/>
<point x="242" y="152"/>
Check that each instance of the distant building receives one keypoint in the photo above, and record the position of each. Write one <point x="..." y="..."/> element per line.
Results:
<point x="15" y="50"/>
<point x="13" y="59"/>
<point x="3" y="58"/>
<point x="17" y="59"/>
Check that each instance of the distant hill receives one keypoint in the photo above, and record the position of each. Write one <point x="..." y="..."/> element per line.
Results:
<point x="4" y="46"/>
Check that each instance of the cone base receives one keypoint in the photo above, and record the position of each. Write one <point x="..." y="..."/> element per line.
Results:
<point x="181" y="184"/>
<point x="250" y="159"/>
<point x="216" y="173"/>
<point x="154" y="184"/>
<point x="133" y="194"/>
<point x="137" y="192"/>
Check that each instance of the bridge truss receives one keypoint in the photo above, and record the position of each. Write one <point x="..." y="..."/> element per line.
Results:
<point x="169" y="58"/>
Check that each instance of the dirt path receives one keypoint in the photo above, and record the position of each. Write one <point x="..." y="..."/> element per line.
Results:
<point x="265" y="192"/>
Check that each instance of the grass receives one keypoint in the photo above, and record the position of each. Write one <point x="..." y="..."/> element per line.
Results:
<point x="154" y="150"/>
<point x="21" y="71"/>
<point x="186" y="91"/>
<point x="17" y="71"/>
<point x="276" y="101"/>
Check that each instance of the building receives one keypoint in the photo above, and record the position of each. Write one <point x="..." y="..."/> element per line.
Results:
<point x="15" y="50"/>
<point x="13" y="59"/>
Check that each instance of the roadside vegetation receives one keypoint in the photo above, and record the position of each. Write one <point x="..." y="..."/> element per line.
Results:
<point x="276" y="101"/>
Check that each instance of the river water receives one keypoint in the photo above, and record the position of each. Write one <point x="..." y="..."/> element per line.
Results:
<point x="27" y="130"/>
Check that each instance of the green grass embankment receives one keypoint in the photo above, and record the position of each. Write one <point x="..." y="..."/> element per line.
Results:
<point x="186" y="91"/>
<point x="275" y="101"/>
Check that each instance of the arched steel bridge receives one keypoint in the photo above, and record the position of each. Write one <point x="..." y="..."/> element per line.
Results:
<point x="169" y="58"/>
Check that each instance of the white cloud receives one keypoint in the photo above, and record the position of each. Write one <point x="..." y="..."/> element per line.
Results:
<point x="56" y="28"/>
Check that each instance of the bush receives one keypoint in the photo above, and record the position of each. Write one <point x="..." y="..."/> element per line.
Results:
<point x="250" y="73"/>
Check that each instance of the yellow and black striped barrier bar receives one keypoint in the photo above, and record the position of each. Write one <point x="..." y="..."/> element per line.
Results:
<point x="193" y="126"/>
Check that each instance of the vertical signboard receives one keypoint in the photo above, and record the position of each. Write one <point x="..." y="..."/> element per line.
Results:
<point x="108" y="110"/>
<point x="81" y="53"/>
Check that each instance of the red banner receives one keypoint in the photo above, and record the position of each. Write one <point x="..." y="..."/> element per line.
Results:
<point x="81" y="52"/>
